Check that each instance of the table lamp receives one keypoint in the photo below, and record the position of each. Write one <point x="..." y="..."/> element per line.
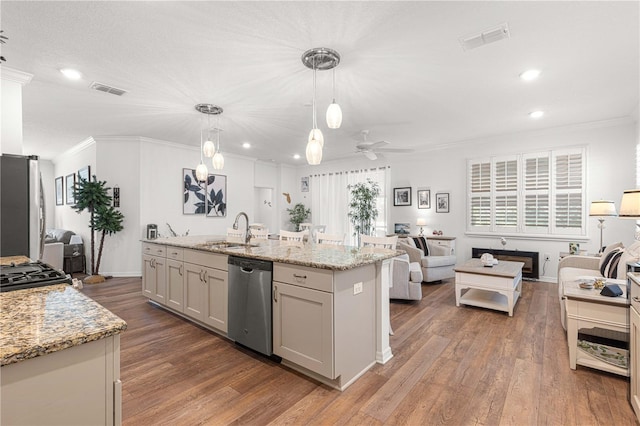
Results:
<point x="602" y="209"/>
<point x="630" y="206"/>
<point x="421" y="222"/>
<point x="75" y="241"/>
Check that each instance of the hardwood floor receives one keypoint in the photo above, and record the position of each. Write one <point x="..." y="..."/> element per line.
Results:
<point x="456" y="366"/>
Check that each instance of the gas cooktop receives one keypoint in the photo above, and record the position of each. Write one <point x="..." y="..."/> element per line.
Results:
<point x="29" y="275"/>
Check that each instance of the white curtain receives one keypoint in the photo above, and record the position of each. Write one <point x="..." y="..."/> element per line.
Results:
<point x="330" y="199"/>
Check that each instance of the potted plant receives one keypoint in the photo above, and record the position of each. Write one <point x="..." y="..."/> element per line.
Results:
<point x="362" y="207"/>
<point x="93" y="196"/>
<point x="298" y="214"/>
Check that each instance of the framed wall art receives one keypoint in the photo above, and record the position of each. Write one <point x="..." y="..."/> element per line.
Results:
<point x="304" y="184"/>
<point x="84" y="173"/>
<point x="193" y="199"/>
<point x="70" y="183"/>
<point x="402" y="196"/>
<point x="216" y="196"/>
<point x="442" y="202"/>
<point x="424" y="199"/>
<point x="59" y="191"/>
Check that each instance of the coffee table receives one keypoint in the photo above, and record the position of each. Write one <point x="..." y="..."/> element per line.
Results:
<point x="497" y="287"/>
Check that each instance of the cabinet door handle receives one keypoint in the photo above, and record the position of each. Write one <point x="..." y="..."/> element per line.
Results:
<point x="152" y="263"/>
<point x="159" y="250"/>
<point x="175" y="253"/>
<point x="636" y="299"/>
<point x="275" y="294"/>
<point x="201" y="272"/>
<point x="304" y="277"/>
<point x="181" y="269"/>
<point x="205" y="276"/>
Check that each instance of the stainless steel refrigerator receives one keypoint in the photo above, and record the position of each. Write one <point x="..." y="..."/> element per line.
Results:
<point x="22" y="219"/>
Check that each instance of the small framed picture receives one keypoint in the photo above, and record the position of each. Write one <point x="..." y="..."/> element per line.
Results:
<point x="59" y="191"/>
<point x="402" y="196"/>
<point x="70" y="183"/>
<point x="424" y="199"/>
<point x="304" y="184"/>
<point x="402" y="228"/>
<point x="442" y="202"/>
<point x="84" y="173"/>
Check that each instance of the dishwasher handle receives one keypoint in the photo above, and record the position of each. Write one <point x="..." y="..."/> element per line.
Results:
<point x="246" y="270"/>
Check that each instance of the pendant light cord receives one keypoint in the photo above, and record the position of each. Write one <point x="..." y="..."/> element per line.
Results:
<point x="315" y="126"/>
<point x="334" y="84"/>
<point x="218" y="136"/>
<point x="201" y="146"/>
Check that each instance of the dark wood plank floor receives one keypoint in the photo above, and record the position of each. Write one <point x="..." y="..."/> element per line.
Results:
<point x="455" y="366"/>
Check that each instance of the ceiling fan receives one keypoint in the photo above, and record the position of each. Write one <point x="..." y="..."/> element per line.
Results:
<point x="371" y="149"/>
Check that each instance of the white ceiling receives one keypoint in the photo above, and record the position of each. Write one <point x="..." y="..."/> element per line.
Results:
<point x="404" y="75"/>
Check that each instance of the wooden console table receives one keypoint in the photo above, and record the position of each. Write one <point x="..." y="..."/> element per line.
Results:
<point x="591" y="314"/>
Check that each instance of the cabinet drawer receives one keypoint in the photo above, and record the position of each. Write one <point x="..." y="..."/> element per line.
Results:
<point x="176" y="253"/>
<point x="314" y="278"/>
<point x="154" y="249"/>
<point x="203" y="258"/>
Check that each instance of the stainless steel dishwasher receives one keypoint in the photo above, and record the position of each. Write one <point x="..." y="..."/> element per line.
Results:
<point x="250" y="321"/>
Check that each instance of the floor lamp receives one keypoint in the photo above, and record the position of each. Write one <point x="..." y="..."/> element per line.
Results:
<point x="630" y="206"/>
<point x="602" y="209"/>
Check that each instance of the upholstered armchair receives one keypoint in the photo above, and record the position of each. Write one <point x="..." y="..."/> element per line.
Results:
<point x="436" y="264"/>
<point x="406" y="280"/>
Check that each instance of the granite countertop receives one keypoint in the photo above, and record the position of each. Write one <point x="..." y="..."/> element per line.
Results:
<point x="43" y="320"/>
<point x="324" y="256"/>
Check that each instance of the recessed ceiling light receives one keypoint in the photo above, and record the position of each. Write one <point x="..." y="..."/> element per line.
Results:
<point x="296" y="156"/>
<point x="246" y="145"/>
<point x="71" y="74"/>
<point x="530" y="75"/>
<point x="536" y="114"/>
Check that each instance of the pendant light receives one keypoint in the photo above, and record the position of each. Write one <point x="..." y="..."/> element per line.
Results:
<point x="334" y="113"/>
<point x="320" y="58"/>
<point x="218" y="159"/>
<point x="205" y="148"/>
<point x="209" y="148"/>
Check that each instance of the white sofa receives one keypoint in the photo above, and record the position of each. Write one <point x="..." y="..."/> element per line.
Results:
<point x="407" y="279"/>
<point x="438" y="265"/>
<point x="572" y="267"/>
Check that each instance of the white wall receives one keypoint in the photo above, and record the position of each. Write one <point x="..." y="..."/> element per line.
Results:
<point x="611" y="166"/>
<point x="11" y="109"/>
<point x="47" y="171"/>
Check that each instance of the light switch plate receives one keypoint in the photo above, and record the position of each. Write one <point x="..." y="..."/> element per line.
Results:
<point x="357" y="288"/>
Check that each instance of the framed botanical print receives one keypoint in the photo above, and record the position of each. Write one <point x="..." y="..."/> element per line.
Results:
<point x="84" y="173"/>
<point x="70" y="183"/>
<point x="442" y="202"/>
<point x="304" y="184"/>
<point x="59" y="191"/>
<point x="193" y="198"/>
<point x="216" y="196"/>
<point x="424" y="199"/>
<point x="402" y="196"/>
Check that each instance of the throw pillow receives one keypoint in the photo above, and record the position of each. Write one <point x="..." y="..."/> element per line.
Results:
<point x="631" y="255"/>
<point x="421" y="243"/>
<point x="609" y="267"/>
<point x="608" y="250"/>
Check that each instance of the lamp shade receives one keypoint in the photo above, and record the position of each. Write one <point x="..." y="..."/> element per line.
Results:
<point x="334" y="116"/>
<point x="317" y="135"/>
<point x="630" y="204"/>
<point x="201" y="172"/>
<point x="421" y="221"/>
<point x="209" y="149"/>
<point x="218" y="161"/>
<point x="602" y="208"/>
<point x="314" y="152"/>
<point x="75" y="239"/>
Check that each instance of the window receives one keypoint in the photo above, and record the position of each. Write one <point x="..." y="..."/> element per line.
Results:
<point x="539" y="193"/>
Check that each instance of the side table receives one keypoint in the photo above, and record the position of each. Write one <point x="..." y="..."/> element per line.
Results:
<point x="74" y="263"/>
<point x="591" y="314"/>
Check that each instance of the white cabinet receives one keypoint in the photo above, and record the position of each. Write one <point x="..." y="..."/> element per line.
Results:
<point x="154" y="278"/>
<point x="194" y="290"/>
<point x="215" y="310"/>
<point x="635" y="359"/>
<point x="303" y="327"/>
<point x="175" y="284"/>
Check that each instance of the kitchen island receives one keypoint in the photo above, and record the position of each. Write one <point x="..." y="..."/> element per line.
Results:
<point x="60" y="358"/>
<point x="330" y="303"/>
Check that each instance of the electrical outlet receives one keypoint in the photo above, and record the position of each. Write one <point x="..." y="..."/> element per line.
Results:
<point x="357" y="288"/>
<point x="547" y="257"/>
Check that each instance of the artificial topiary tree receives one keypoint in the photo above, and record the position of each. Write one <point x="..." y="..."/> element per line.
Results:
<point x="362" y="207"/>
<point x="298" y="214"/>
<point x="93" y="196"/>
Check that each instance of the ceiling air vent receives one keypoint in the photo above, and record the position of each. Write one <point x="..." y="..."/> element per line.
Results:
<point x="107" y="89"/>
<point x="485" y="37"/>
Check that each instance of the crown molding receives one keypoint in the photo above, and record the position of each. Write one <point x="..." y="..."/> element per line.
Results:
<point x="15" y="76"/>
<point x="75" y="149"/>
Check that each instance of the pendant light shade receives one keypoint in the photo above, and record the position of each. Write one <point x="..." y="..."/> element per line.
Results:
<point x="334" y="116"/>
<point x="209" y="149"/>
<point x="202" y="172"/>
<point x="317" y="135"/>
<point x="314" y="152"/>
<point x="218" y="161"/>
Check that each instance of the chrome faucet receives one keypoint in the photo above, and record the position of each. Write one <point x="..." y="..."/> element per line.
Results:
<point x="247" y="236"/>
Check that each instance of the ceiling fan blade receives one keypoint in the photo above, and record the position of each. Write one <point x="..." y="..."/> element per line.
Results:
<point x="371" y="145"/>
<point x="370" y="155"/>
<point x="395" y="150"/>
